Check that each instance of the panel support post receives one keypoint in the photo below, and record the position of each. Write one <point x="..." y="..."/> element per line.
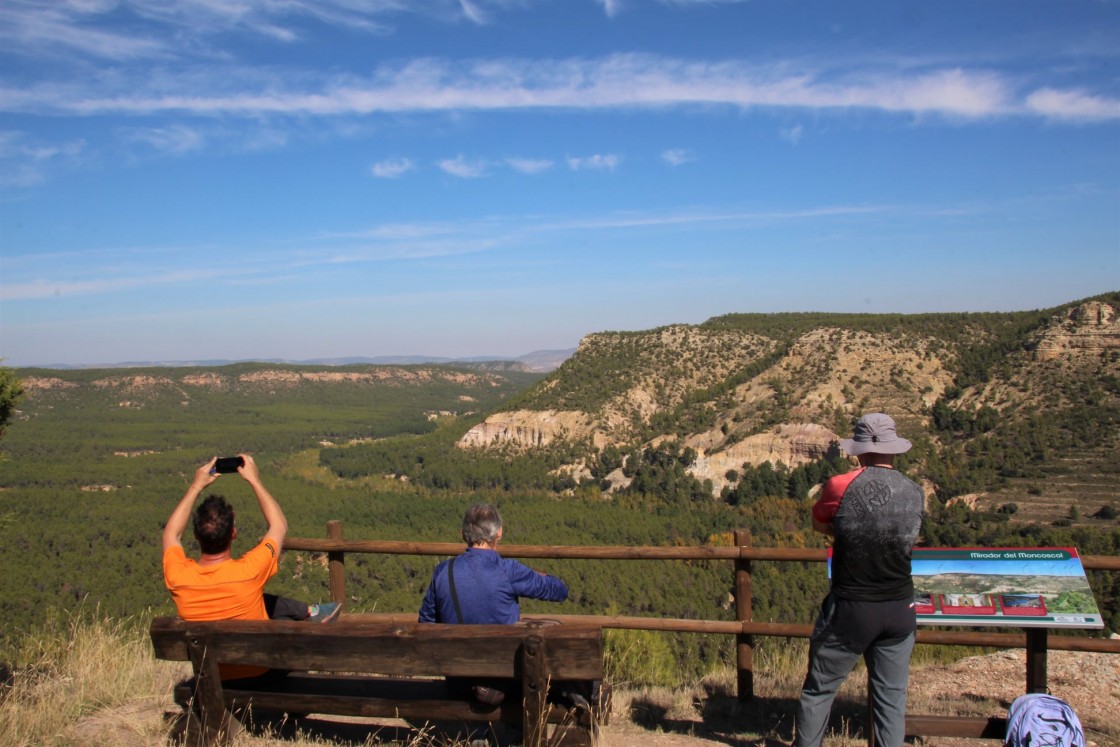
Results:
<point x="1036" y="660"/>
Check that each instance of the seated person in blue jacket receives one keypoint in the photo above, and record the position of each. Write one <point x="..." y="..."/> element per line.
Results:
<point x="481" y="587"/>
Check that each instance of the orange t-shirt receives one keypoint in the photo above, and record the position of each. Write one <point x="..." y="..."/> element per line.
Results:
<point x="230" y="590"/>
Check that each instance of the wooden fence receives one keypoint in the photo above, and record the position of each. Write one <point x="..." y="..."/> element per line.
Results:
<point x="1036" y="641"/>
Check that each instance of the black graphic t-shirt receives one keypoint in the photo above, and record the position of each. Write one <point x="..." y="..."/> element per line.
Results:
<point x="875" y="527"/>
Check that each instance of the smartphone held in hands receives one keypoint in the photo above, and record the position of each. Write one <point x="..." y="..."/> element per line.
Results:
<point x="226" y="465"/>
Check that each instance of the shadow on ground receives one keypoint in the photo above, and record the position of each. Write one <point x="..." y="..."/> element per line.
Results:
<point x="762" y="722"/>
<point x="275" y="725"/>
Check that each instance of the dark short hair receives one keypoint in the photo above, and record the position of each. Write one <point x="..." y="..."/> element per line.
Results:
<point x="481" y="523"/>
<point x="213" y="525"/>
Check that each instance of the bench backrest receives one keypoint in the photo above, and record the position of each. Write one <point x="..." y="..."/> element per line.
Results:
<point x="391" y="648"/>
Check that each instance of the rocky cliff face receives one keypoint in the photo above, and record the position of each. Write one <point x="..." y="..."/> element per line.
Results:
<point x="791" y="444"/>
<point x="1090" y="329"/>
<point x="528" y="429"/>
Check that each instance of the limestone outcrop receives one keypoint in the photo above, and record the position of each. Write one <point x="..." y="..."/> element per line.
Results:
<point x="1087" y="330"/>
<point x="527" y="429"/>
<point x="790" y="444"/>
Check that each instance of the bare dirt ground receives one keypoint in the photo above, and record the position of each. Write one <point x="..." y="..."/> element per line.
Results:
<point x="978" y="685"/>
<point x="975" y="686"/>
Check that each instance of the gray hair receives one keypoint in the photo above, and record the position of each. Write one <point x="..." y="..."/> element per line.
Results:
<point x="481" y="524"/>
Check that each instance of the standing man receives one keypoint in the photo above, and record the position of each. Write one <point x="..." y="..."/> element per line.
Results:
<point x="218" y="586"/>
<point x="480" y="586"/>
<point x="874" y="515"/>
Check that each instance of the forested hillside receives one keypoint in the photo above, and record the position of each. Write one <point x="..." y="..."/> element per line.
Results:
<point x="1014" y="407"/>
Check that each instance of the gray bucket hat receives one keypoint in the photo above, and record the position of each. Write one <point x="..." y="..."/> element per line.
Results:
<point x="875" y="434"/>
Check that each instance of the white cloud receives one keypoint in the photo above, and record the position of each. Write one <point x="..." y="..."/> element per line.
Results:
<point x="1073" y="105"/>
<point x="792" y="135"/>
<point x="175" y="139"/>
<point x="614" y="82"/>
<point x="40" y="289"/>
<point x="37" y="28"/>
<point x="162" y="29"/>
<point x="391" y="168"/>
<point x="24" y="162"/>
<point x="677" y="156"/>
<point x="596" y="162"/>
<point x="472" y="12"/>
<point x="529" y="165"/>
<point x="463" y="168"/>
<point x="611" y="7"/>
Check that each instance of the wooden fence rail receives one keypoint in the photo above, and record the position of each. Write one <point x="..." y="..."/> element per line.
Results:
<point x="744" y="627"/>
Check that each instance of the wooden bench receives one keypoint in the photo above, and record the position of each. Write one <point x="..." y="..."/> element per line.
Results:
<point x="357" y="667"/>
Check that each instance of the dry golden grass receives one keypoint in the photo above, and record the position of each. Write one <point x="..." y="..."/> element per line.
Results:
<point x="73" y="668"/>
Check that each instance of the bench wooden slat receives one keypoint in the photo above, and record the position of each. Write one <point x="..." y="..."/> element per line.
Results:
<point x="415" y="700"/>
<point x="383" y="648"/>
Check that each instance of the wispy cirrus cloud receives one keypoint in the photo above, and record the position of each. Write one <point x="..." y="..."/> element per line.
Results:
<point x="614" y="7"/>
<point x="473" y="12"/>
<point x="677" y="156"/>
<point x="465" y="168"/>
<point x="1073" y="105"/>
<point x="611" y="7"/>
<point x="175" y="139"/>
<point x="597" y="162"/>
<point x="33" y="28"/>
<point x="161" y="29"/>
<point x="48" y="276"/>
<point x="529" y="165"/>
<point x="617" y="81"/>
<point x="25" y="160"/>
<point x="41" y="289"/>
<point x="792" y="135"/>
<point x="392" y="168"/>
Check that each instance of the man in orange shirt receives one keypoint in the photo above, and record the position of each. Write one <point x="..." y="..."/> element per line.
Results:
<point x="218" y="586"/>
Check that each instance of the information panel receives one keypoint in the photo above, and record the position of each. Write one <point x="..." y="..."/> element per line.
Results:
<point x="1004" y="586"/>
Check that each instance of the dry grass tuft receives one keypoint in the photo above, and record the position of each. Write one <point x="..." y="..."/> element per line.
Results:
<point x="74" y="667"/>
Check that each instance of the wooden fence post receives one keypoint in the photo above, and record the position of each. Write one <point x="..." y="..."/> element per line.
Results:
<point x="336" y="564"/>
<point x="744" y="643"/>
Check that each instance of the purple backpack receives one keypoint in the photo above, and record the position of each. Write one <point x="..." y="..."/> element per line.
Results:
<point x="1038" y="720"/>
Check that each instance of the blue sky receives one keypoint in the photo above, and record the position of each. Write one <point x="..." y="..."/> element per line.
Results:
<point x="259" y="179"/>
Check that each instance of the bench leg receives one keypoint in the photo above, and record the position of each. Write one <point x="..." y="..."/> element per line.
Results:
<point x="209" y="724"/>
<point x="534" y="689"/>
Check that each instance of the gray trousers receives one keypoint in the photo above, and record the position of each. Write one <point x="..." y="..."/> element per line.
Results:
<point x="883" y="634"/>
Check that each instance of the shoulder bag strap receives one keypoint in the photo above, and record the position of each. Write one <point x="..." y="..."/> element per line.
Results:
<point x="454" y="596"/>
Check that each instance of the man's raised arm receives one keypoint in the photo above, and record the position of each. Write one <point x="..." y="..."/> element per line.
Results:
<point x="181" y="516"/>
<point x="273" y="514"/>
